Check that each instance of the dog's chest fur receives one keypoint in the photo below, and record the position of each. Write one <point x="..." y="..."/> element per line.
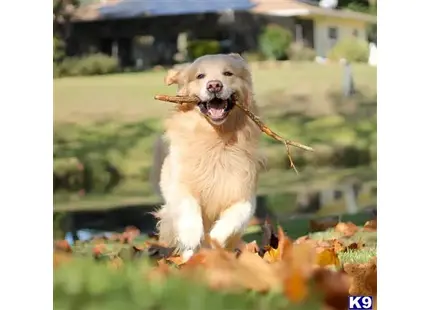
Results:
<point x="218" y="169"/>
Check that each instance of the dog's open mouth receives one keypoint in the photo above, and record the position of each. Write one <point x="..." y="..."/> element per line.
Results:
<point x="217" y="109"/>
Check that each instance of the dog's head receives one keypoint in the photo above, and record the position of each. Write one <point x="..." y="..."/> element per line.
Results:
<point x="218" y="80"/>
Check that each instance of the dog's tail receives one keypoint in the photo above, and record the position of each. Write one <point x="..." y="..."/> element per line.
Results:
<point x="159" y="154"/>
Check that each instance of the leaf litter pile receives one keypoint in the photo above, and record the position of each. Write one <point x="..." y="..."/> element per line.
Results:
<point x="299" y="269"/>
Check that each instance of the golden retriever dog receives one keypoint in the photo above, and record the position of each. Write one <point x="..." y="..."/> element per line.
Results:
<point x="209" y="174"/>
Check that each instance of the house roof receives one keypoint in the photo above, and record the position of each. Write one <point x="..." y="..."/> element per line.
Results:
<point x="117" y="9"/>
<point x="298" y="8"/>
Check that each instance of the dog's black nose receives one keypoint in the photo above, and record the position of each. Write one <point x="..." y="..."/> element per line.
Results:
<point x="214" y="86"/>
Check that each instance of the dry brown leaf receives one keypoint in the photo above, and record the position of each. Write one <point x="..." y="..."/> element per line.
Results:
<point x="327" y="257"/>
<point x="251" y="247"/>
<point x="62" y="245"/>
<point x="251" y="272"/>
<point x="98" y="249"/>
<point x="355" y="246"/>
<point x="338" y="246"/>
<point x="334" y="287"/>
<point x="364" y="278"/>
<point x="370" y="225"/>
<point x="177" y="260"/>
<point x="302" y="239"/>
<point x="347" y="229"/>
<point x="295" y="286"/>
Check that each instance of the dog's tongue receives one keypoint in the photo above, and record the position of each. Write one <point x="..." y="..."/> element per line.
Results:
<point x="216" y="109"/>
<point x="216" y="112"/>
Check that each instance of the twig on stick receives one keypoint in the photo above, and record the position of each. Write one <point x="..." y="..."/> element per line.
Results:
<point x="263" y="127"/>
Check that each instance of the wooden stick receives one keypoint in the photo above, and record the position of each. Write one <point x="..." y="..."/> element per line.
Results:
<point x="263" y="127"/>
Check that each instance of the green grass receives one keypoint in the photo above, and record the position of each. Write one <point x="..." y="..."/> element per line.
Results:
<point x="126" y="98"/>
<point x="115" y="119"/>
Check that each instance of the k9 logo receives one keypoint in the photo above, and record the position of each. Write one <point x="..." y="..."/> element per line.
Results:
<point x="360" y="302"/>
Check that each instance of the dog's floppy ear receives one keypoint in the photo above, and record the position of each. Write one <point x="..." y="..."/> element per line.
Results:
<point x="172" y="77"/>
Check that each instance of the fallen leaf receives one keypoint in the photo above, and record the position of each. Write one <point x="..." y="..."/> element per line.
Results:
<point x="338" y="246"/>
<point x="295" y="286"/>
<point x="355" y="246"/>
<point x="251" y="247"/>
<point x="98" y="249"/>
<point x="251" y="272"/>
<point x="302" y="239"/>
<point x="347" y="229"/>
<point x="370" y="225"/>
<point x="62" y="245"/>
<point x="334" y="287"/>
<point x="177" y="260"/>
<point x="327" y="257"/>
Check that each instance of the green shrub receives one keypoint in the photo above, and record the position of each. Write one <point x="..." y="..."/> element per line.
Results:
<point x="95" y="64"/>
<point x="274" y="41"/>
<point x="299" y="52"/>
<point x="59" y="49"/>
<point x="200" y="48"/>
<point x="351" y="49"/>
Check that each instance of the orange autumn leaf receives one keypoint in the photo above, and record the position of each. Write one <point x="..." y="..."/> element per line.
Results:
<point x="251" y="272"/>
<point x="302" y="239"/>
<point x="251" y="247"/>
<point x="334" y="287"/>
<point x="99" y="249"/>
<point x="198" y="259"/>
<point x="347" y="229"/>
<point x="355" y="246"/>
<point x="370" y="225"/>
<point x="177" y="260"/>
<point x="62" y="245"/>
<point x="327" y="257"/>
<point x="338" y="246"/>
<point x="295" y="286"/>
<point x="271" y="255"/>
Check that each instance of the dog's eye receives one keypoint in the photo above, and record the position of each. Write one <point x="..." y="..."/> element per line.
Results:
<point x="227" y="73"/>
<point x="200" y="76"/>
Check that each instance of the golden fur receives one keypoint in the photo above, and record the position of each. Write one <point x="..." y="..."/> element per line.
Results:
<point x="216" y="164"/>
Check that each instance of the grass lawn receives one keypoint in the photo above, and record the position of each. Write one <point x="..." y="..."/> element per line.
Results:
<point x="115" y="119"/>
<point x="128" y="97"/>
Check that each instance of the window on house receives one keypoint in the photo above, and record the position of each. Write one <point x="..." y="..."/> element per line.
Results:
<point x="332" y="33"/>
